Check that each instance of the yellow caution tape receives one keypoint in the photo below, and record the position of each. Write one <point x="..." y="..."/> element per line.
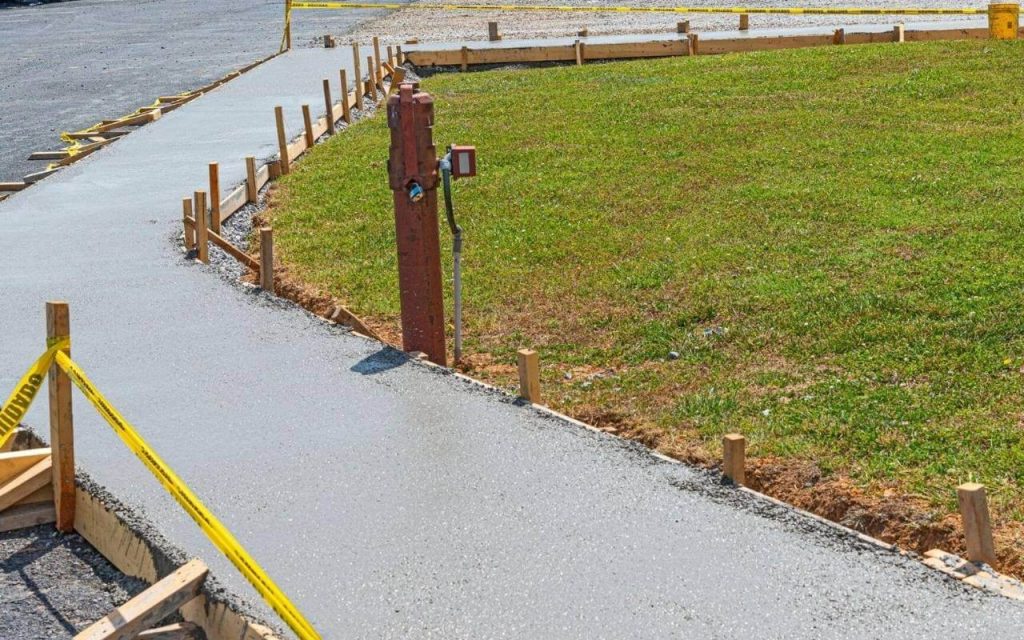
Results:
<point x="25" y="391"/>
<point x="211" y="526"/>
<point x="300" y="4"/>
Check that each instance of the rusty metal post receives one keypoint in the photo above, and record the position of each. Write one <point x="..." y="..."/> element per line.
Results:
<point x="412" y="173"/>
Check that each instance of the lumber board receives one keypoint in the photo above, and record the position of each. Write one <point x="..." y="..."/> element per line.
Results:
<point x="42" y="495"/>
<point x="149" y="607"/>
<point x="39" y="175"/>
<point x="12" y="186"/>
<point x="15" y="463"/>
<point x="26" y="483"/>
<point x="238" y="198"/>
<point x="233" y="251"/>
<point x="49" y="155"/>
<point x="27" y="516"/>
<point x="177" y="631"/>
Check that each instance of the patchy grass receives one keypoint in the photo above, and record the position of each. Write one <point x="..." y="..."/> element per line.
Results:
<point x="831" y="240"/>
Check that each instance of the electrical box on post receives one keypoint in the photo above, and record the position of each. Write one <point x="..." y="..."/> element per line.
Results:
<point x="463" y="161"/>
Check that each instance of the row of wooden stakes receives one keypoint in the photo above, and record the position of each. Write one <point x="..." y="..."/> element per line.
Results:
<point x="971" y="496"/>
<point x="204" y="212"/>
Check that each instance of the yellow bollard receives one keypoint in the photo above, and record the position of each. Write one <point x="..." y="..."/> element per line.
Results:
<point x="1003" y="21"/>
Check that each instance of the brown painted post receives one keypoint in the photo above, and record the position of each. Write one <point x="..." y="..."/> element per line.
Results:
<point x="412" y="176"/>
<point x="492" y="32"/>
<point x="202" y="237"/>
<point x="977" y="527"/>
<point x="251" y="190"/>
<point x="307" y="122"/>
<point x="898" y="33"/>
<point x="346" y="110"/>
<point x="371" y="86"/>
<point x="190" y="228"/>
<point x="62" y="430"/>
<point x="329" y="103"/>
<point x="267" y="259"/>
<point x="734" y="458"/>
<point x="529" y="375"/>
<point x="744" y="21"/>
<point x="683" y="27"/>
<point x="359" y="75"/>
<point x="215" y="198"/>
<point x="282" y="141"/>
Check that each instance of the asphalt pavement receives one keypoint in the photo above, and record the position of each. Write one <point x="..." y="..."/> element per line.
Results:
<point x="389" y="499"/>
<point x="67" y="65"/>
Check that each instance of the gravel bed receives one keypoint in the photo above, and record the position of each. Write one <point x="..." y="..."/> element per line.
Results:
<point x="434" y="26"/>
<point x="54" y="585"/>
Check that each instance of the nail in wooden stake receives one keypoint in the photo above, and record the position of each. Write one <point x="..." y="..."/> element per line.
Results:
<point x="359" y="76"/>
<point x="189" y="223"/>
<point x="307" y="121"/>
<point x="744" y="21"/>
<point x="977" y="527"/>
<point x="492" y="32"/>
<point x="215" y="198"/>
<point x="62" y="430"/>
<point x="371" y="88"/>
<point x="251" y="192"/>
<point x="346" y="110"/>
<point x="898" y="33"/>
<point x="202" y="237"/>
<point x="734" y="460"/>
<point x="329" y="102"/>
<point x="529" y="375"/>
<point x="282" y="141"/>
<point x="267" y="259"/>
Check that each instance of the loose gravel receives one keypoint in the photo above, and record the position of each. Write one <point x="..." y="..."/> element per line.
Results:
<point x="54" y="585"/>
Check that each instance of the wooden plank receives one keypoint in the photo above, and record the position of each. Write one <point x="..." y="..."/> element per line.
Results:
<point x="26" y="483"/>
<point x="62" y="431"/>
<point x="927" y="35"/>
<point x="372" y="81"/>
<point x="15" y="463"/>
<point x="49" y="155"/>
<point x="12" y="186"/>
<point x="683" y="27"/>
<point x="263" y="175"/>
<point x="9" y="445"/>
<point x="151" y="115"/>
<point x="42" y="495"/>
<point x="251" y="190"/>
<point x="529" y="375"/>
<point x="176" y="631"/>
<point x="149" y="607"/>
<point x="237" y="199"/>
<point x="234" y="251"/>
<point x="267" y="259"/>
<point x="376" y="60"/>
<point x="744" y="22"/>
<point x="898" y="33"/>
<point x="977" y="526"/>
<point x="27" y="516"/>
<point x="39" y="175"/>
<point x="734" y="452"/>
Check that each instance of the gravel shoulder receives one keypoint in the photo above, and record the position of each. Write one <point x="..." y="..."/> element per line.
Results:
<point x="55" y="585"/>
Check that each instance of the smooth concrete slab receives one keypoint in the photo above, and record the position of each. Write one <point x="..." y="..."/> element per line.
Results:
<point x="387" y="499"/>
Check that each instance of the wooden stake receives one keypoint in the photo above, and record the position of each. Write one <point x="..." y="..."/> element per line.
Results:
<point x="267" y="259"/>
<point x="376" y="60"/>
<point x="977" y="527"/>
<point x="529" y="375"/>
<point x="694" y="47"/>
<point x="346" y="110"/>
<point x="398" y="54"/>
<point x="202" y="226"/>
<point x="734" y="460"/>
<point x="371" y="88"/>
<point x="492" y="32"/>
<point x="62" y="428"/>
<point x="329" y="102"/>
<point x="214" y="197"/>
<point x="359" y="76"/>
<point x="391" y="55"/>
<point x="580" y="55"/>
<point x="839" y="37"/>
<point x="282" y="141"/>
<point x="149" y="607"/>
<point x="465" y="58"/>
<point x="744" y="21"/>
<point x="683" y="27"/>
<point x="898" y="34"/>
<point x="189" y="223"/>
<point x="307" y="122"/>
<point x="251" y="191"/>
<point x="582" y="33"/>
<point x="26" y="483"/>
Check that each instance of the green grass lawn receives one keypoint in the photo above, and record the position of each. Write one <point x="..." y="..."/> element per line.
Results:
<point x="831" y="240"/>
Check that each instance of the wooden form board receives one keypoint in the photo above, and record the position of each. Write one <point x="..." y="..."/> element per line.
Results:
<point x="666" y="48"/>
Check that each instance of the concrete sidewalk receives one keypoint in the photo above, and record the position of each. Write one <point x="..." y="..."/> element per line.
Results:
<point x="386" y="498"/>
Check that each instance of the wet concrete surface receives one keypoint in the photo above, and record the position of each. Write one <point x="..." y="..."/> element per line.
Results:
<point x="386" y="498"/>
<point x="67" y="65"/>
